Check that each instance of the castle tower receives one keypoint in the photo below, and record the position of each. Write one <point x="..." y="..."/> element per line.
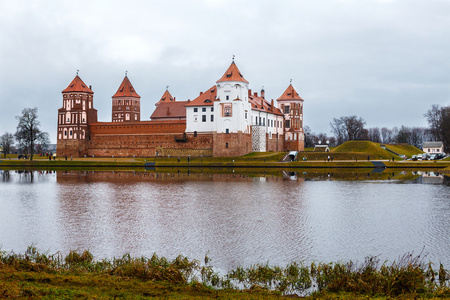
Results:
<point x="126" y="103"/>
<point x="291" y="104"/>
<point x="232" y="111"/>
<point x="74" y="119"/>
<point x="166" y="97"/>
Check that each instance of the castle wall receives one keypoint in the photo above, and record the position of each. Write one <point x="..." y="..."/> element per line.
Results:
<point x="293" y="145"/>
<point x="71" y="148"/>
<point x="232" y="144"/>
<point x="144" y="139"/>
<point x="275" y="144"/>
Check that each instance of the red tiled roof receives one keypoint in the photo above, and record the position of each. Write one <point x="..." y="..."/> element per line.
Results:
<point x="266" y="106"/>
<point x="126" y="89"/>
<point x="290" y="94"/>
<point x="232" y="74"/>
<point x="166" y="97"/>
<point x="174" y="109"/>
<point x="77" y="85"/>
<point x="205" y="99"/>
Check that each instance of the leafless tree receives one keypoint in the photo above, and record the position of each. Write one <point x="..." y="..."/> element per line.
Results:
<point x="348" y="128"/>
<point x="7" y="141"/>
<point x="439" y="124"/>
<point x="374" y="135"/>
<point x="28" y="132"/>
<point x="386" y="135"/>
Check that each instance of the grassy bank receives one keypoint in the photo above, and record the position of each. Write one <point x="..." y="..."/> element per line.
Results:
<point x="252" y="160"/>
<point x="78" y="275"/>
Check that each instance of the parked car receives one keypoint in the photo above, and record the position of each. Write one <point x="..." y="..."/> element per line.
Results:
<point x="414" y="157"/>
<point x="419" y="156"/>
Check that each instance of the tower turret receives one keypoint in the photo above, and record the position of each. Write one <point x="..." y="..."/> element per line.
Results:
<point x="232" y="107"/>
<point x="126" y="103"/>
<point x="291" y="104"/>
<point x="74" y="119"/>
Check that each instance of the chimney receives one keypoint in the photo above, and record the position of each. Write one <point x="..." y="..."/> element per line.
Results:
<point x="90" y="87"/>
<point x="168" y="111"/>
<point x="255" y="94"/>
<point x="262" y="102"/>
<point x="201" y="93"/>
<point x="263" y="93"/>
<point x="174" y="99"/>
<point x="249" y="92"/>
<point x="271" y="104"/>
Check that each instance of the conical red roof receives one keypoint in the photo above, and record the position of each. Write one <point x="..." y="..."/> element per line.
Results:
<point x="166" y="97"/>
<point x="126" y="89"/>
<point x="77" y="85"/>
<point x="232" y="74"/>
<point x="290" y="94"/>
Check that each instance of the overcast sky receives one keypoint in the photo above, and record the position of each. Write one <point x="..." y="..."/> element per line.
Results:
<point x="386" y="61"/>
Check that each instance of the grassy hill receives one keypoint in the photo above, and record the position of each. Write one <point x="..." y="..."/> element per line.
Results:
<point x="407" y="150"/>
<point x="363" y="147"/>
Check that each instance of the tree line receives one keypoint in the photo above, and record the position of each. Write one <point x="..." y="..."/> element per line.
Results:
<point x="349" y="128"/>
<point x="29" y="137"/>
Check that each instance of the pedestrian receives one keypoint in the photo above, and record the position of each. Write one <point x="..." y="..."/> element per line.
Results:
<point x="331" y="157"/>
<point x="368" y="157"/>
<point x="188" y="158"/>
<point x="328" y="158"/>
<point x="178" y="159"/>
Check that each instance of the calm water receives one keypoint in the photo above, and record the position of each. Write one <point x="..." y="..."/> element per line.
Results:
<point x="240" y="219"/>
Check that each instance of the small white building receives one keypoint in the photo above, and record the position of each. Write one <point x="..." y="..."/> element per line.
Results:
<point x="433" y="147"/>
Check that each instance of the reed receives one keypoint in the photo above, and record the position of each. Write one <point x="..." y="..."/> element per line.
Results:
<point x="407" y="277"/>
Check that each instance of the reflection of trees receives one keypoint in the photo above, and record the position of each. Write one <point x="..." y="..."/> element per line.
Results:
<point x="6" y="176"/>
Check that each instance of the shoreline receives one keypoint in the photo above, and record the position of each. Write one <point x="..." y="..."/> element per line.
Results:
<point x="166" y="163"/>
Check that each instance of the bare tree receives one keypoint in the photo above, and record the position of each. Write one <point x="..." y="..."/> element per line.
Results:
<point x="348" y="129"/>
<point x="28" y="132"/>
<point x="386" y="135"/>
<point x="338" y="129"/>
<point x="374" y="135"/>
<point x="7" y="141"/>
<point x="439" y="124"/>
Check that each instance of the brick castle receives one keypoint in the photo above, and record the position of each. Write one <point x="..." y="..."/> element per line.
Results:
<point x="224" y="120"/>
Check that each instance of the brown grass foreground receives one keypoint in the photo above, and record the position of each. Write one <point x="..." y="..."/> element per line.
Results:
<point x="34" y="275"/>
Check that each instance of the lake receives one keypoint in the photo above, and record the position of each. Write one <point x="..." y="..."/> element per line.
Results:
<point x="239" y="217"/>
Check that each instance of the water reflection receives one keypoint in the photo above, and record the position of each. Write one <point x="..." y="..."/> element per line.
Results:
<point x="241" y="217"/>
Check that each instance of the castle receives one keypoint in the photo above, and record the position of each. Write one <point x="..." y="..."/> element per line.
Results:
<point x="225" y="120"/>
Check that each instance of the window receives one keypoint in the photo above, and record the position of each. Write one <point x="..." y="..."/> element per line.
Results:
<point x="227" y="110"/>
<point x="287" y="124"/>
<point x="286" y="109"/>
<point x="212" y="118"/>
<point x="203" y="109"/>
<point x="195" y="109"/>
<point x="227" y="97"/>
<point x="195" y="118"/>
<point x="203" y="118"/>
<point x="226" y="145"/>
<point x="246" y="115"/>
<point x="195" y="133"/>
<point x="212" y="108"/>
<point x="70" y="133"/>
<point x="227" y="131"/>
